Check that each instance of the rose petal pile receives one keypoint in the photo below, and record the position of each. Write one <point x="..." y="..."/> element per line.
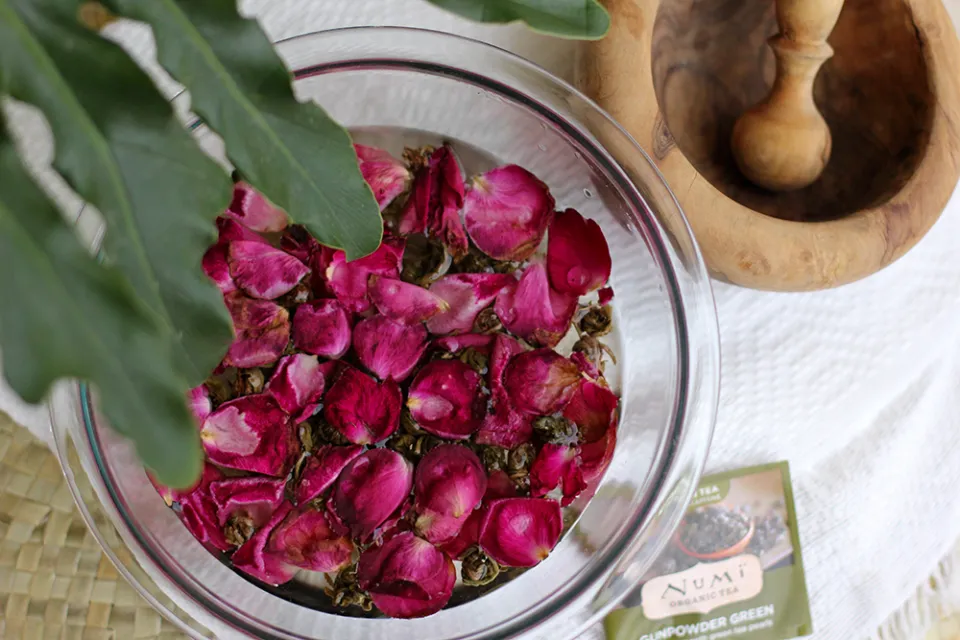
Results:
<point x="378" y="420"/>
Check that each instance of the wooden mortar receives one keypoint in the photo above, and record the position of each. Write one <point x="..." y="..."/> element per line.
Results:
<point x="677" y="75"/>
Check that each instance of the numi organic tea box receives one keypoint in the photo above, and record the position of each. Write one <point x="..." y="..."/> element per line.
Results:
<point x="732" y="570"/>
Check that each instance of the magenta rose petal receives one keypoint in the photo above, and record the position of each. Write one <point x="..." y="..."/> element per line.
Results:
<point x="482" y="342"/>
<point x="445" y="399"/>
<point x="443" y="219"/>
<point x="229" y="230"/>
<point x="557" y="465"/>
<point x="298" y="384"/>
<point x="251" y="209"/>
<point x="199" y="400"/>
<point x="370" y="489"/>
<point x="349" y="280"/>
<point x="541" y="382"/>
<point x="322" y="328"/>
<point x="605" y="296"/>
<point x="499" y="485"/>
<point x="390" y="350"/>
<point x="262" y="331"/>
<point x="215" y="265"/>
<point x="256" y="559"/>
<point x="407" y="577"/>
<point x="404" y="302"/>
<point x="198" y="511"/>
<point x="521" y="532"/>
<point x="587" y="367"/>
<point x="449" y="484"/>
<point x="507" y="211"/>
<point x="262" y="271"/>
<point x="257" y="497"/>
<point x="304" y="539"/>
<point x="322" y="469"/>
<point x="578" y="258"/>
<point x="362" y="410"/>
<point x="466" y="295"/>
<point x="504" y="426"/>
<point x="593" y="408"/>
<point x="534" y="311"/>
<point x="298" y="242"/>
<point x="251" y="433"/>
<point x="596" y="456"/>
<point x="387" y="176"/>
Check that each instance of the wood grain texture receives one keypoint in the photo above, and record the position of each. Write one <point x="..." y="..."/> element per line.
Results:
<point x="677" y="76"/>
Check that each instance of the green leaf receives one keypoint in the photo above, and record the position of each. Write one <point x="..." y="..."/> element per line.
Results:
<point x="64" y="315"/>
<point x="121" y="148"/>
<point x="580" y="19"/>
<point x="294" y="153"/>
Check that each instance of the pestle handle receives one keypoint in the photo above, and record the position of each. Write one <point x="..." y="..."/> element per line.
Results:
<point x="784" y="143"/>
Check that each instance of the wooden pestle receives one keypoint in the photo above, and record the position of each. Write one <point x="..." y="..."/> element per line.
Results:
<point x="783" y="143"/>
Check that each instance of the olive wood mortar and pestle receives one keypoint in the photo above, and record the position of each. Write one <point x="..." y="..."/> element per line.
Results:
<point x="810" y="143"/>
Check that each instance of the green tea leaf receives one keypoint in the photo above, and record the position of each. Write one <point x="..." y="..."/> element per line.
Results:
<point x="294" y="153"/>
<point x="121" y="148"/>
<point x="64" y="315"/>
<point x="580" y="19"/>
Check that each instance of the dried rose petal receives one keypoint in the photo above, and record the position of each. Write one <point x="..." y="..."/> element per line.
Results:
<point x="389" y="349"/>
<point x="387" y="176"/>
<point x="505" y="427"/>
<point x="370" y="489"/>
<point x="251" y="433"/>
<point x="481" y="342"/>
<point x="593" y="408"/>
<point x="507" y="211"/>
<point x="251" y="209"/>
<point x="520" y="532"/>
<point x="322" y="327"/>
<point x="445" y="399"/>
<point x="364" y="411"/>
<point x="578" y="258"/>
<point x="587" y="366"/>
<point x="262" y="331"/>
<point x="215" y="265"/>
<point x="605" y="296"/>
<point x="404" y="302"/>
<point x="449" y="484"/>
<point x="466" y="294"/>
<point x="534" y="311"/>
<point x="256" y="497"/>
<point x="396" y="524"/>
<point x="199" y="400"/>
<point x="230" y="230"/>
<point x="435" y="203"/>
<point x="298" y="384"/>
<point x="198" y="511"/>
<point x="254" y="558"/>
<point x="262" y="271"/>
<point x="595" y="457"/>
<point x="541" y="382"/>
<point x="336" y="524"/>
<point x="407" y="577"/>
<point x="557" y="464"/>
<point x="322" y="469"/>
<point x="499" y="485"/>
<point x="348" y="280"/>
<point x="298" y="242"/>
<point x="304" y="539"/>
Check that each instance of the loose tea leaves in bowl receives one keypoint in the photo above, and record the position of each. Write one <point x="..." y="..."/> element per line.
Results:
<point x="383" y="420"/>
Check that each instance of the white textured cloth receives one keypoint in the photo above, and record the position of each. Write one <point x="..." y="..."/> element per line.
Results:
<point x="857" y="387"/>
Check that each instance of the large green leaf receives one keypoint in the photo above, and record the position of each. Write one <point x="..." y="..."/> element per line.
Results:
<point x="581" y="19"/>
<point x="64" y="315"/>
<point x="122" y="149"/>
<point x="292" y="152"/>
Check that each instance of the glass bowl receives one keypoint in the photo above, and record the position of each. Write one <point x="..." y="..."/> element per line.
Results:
<point x="392" y="87"/>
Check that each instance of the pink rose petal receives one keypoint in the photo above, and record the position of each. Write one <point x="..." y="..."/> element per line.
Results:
<point x="605" y="296"/>
<point x="257" y="497"/>
<point x="596" y="456"/>
<point x="199" y="400"/>
<point x="435" y="203"/>
<point x="499" y="485"/>
<point x="304" y="539"/>
<point x="534" y="311"/>
<point x="262" y="331"/>
<point x="555" y="465"/>
<point x="348" y="280"/>
<point x="466" y="294"/>
<point x="521" y="532"/>
<point x="370" y="489"/>
<point x="322" y="469"/>
<point x="404" y="302"/>
<point x="578" y="258"/>
<point x="251" y="209"/>
<point x="215" y="265"/>
<point x="229" y="230"/>
<point x="263" y="272"/>
<point x="389" y="349"/>
<point x="298" y="384"/>
<point x="586" y="365"/>
<point x="445" y="399"/>
<point x="481" y="342"/>
<point x="449" y="484"/>
<point x="256" y="559"/>
<point x="251" y="433"/>
<point x="298" y="242"/>
<point x="322" y="327"/>
<point x="387" y="176"/>
<point x="198" y="511"/>
<point x="541" y="382"/>
<point x="593" y="408"/>
<point x="507" y="211"/>
<point x="364" y="411"/>
<point x="505" y="427"/>
<point x="407" y="577"/>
